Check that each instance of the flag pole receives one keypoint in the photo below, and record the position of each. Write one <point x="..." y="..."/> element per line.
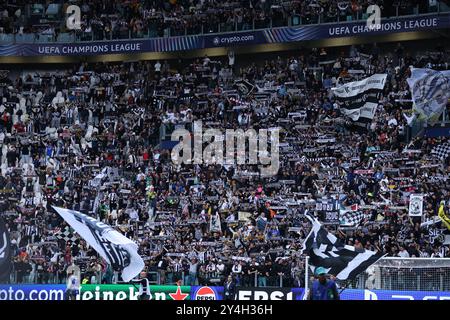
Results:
<point x="305" y="297"/>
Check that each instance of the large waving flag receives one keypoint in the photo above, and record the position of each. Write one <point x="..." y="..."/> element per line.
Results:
<point x="327" y="251"/>
<point x="119" y="251"/>
<point x="359" y="99"/>
<point x="5" y="253"/>
<point x="430" y="91"/>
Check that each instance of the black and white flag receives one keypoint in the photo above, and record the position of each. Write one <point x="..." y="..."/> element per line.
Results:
<point x="65" y="234"/>
<point x="415" y="205"/>
<point x="5" y="253"/>
<point x="327" y="251"/>
<point x="359" y="99"/>
<point x="99" y="178"/>
<point x="244" y="87"/>
<point x="119" y="251"/>
<point x="350" y="218"/>
<point x="441" y="151"/>
<point x="430" y="91"/>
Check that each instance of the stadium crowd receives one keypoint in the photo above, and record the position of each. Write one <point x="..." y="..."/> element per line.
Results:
<point x="94" y="138"/>
<point x="121" y="19"/>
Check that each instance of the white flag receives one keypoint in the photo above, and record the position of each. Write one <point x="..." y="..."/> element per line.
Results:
<point x="119" y="251"/>
<point x="214" y="224"/>
<point x="97" y="181"/>
<point x="415" y="205"/>
<point x="355" y="88"/>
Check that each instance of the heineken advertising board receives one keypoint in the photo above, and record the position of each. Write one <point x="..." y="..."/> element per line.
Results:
<point x="131" y="292"/>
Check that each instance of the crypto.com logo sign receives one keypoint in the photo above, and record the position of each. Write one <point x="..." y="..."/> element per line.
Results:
<point x="233" y="142"/>
<point x="73" y="20"/>
<point x="374" y="20"/>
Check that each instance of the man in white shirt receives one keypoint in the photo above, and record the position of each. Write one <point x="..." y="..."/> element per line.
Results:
<point x="236" y="269"/>
<point x="403" y="253"/>
<point x="157" y="67"/>
<point x="220" y="267"/>
<point x="73" y="286"/>
<point x="231" y="59"/>
<point x="206" y="61"/>
<point x="133" y="214"/>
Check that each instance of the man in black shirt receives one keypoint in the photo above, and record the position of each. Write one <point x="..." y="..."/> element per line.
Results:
<point x="11" y="157"/>
<point x="252" y="271"/>
<point x="245" y="276"/>
<point x="263" y="274"/>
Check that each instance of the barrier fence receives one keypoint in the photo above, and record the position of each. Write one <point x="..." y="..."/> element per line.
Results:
<point x="155" y="278"/>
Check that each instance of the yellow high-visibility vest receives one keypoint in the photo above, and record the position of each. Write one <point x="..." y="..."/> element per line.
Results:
<point x="443" y="217"/>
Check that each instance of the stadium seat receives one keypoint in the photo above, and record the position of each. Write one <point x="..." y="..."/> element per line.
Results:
<point x="53" y="9"/>
<point x="25" y="38"/>
<point x="66" y="37"/>
<point x="6" y="38"/>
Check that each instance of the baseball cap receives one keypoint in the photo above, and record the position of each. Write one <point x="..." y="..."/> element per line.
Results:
<point x="319" y="271"/>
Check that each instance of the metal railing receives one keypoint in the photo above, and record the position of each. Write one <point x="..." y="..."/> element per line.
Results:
<point x="253" y="280"/>
<point x="156" y="278"/>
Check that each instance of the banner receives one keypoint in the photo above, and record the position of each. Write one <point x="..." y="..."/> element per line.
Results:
<point x="415" y="205"/>
<point x="233" y="39"/>
<point x="327" y="205"/>
<point x="430" y="91"/>
<point x="229" y="39"/>
<point x="244" y="216"/>
<point x="131" y="292"/>
<point x="244" y="87"/>
<point x="328" y="210"/>
<point x="346" y="294"/>
<point x="119" y="251"/>
<point x="355" y="29"/>
<point x="359" y="294"/>
<point x="32" y="292"/>
<point x="262" y="293"/>
<point x="355" y="88"/>
<point x="330" y="217"/>
<point x="359" y="99"/>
